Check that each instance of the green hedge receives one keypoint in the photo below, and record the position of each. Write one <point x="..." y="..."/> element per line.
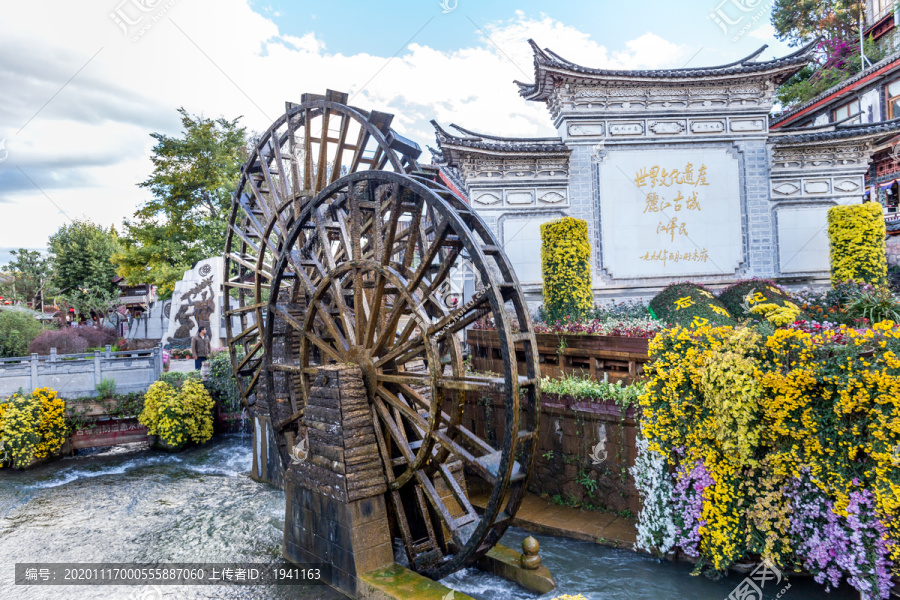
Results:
<point x="688" y="304"/>
<point x="744" y="295"/>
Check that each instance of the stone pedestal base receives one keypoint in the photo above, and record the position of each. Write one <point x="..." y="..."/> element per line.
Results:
<point x="352" y="537"/>
<point x="266" y="466"/>
<point x="505" y="562"/>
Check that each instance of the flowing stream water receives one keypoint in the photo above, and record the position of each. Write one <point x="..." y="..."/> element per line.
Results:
<point x="133" y="505"/>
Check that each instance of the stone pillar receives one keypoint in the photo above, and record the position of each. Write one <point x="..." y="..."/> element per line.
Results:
<point x="98" y="374"/>
<point x="34" y="372"/>
<point x="336" y="511"/>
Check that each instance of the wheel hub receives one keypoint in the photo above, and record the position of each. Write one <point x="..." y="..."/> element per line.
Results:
<point x="362" y="356"/>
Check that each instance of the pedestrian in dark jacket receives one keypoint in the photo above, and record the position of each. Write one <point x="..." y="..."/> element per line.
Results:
<point x="200" y="347"/>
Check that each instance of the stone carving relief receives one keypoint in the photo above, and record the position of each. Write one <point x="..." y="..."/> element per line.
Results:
<point x="747" y="125"/>
<point x="517" y="198"/>
<point x="708" y="126"/>
<point x="846" y="185"/>
<point x="818" y="186"/>
<point x="666" y="127"/>
<point x="794" y="188"/>
<point x="196" y="302"/>
<point x="583" y="129"/>
<point x="786" y="189"/>
<point x="636" y="98"/>
<point x="486" y="199"/>
<point x="794" y="157"/>
<point x="477" y="167"/>
<point x="635" y="128"/>
<point x="520" y="197"/>
<point x="552" y="197"/>
<point x="196" y="307"/>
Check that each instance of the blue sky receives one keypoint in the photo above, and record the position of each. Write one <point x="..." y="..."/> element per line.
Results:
<point x="86" y="83"/>
<point x="382" y="28"/>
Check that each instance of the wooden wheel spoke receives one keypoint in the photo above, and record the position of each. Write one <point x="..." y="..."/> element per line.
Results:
<point x="324" y="346"/>
<point x="338" y="296"/>
<point x="399" y="440"/>
<point x="460" y="318"/>
<point x="474" y="442"/>
<point x="408" y="349"/>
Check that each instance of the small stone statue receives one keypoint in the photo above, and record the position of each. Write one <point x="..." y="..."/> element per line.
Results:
<point x="530" y="559"/>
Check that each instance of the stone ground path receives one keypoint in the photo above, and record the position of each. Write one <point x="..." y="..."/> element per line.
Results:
<point x="542" y="516"/>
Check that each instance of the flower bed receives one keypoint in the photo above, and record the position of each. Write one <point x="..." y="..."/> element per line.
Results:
<point x="32" y="428"/>
<point x="783" y="447"/>
<point x="616" y="358"/>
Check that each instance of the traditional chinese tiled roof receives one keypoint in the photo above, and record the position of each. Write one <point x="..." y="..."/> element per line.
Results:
<point x="449" y="145"/>
<point x="847" y="84"/>
<point x="550" y="67"/>
<point x="825" y="133"/>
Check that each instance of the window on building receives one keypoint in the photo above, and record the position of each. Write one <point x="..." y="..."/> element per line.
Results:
<point x="880" y="8"/>
<point x="851" y="108"/>
<point x="893" y="99"/>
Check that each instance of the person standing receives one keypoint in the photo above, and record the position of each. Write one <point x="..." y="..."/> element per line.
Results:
<point x="200" y="347"/>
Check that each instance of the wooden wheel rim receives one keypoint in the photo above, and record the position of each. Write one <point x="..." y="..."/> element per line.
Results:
<point x="506" y="475"/>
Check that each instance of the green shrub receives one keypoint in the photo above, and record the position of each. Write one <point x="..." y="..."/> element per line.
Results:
<point x="689" y="304"/>
<point x="591" y="389"/>
<point x="106" y="388"/>
<point x="221" y="383"/>
<point x="177" y="378"/>
<point x="178" y="416"/>
<point x="741" y="297"/>
<point x="856" y="238"/>
<point x="17" y="330"/>
<point x="875" y="304"/>
<point x="566" y="269"/>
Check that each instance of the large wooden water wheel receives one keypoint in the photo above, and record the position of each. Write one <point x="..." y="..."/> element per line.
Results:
<point x="340" y="260"/>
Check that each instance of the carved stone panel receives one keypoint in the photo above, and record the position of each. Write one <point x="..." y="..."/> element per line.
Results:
<point x="586" y="129"/>
<point x="633" y="128"/>
<point x="196" y="303"/>
<point x="666" y="127"/>
<point x="670" y="213"/>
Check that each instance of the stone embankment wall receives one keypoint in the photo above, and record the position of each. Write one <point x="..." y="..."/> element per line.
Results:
<point x="585" y="449"/>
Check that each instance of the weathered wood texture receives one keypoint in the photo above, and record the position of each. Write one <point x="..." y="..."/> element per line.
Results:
<point x="617" y="358"/>
<point x="336" y="511"/>
<point x="343" y="460"/>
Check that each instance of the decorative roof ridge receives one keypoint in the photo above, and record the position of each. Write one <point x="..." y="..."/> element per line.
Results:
<point x="796" y="135"/>
<point x="502" y="139"/>
<point x="498" y="144"/>
<point x="846" y="83"/>
<point x="546" y="58"/>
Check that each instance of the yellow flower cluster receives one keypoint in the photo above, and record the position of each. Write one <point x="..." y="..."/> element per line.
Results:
<point x="856" y="234"/>
<point x="178" y="416"/>
<point x="777" y="314"/>
<point x="566" y="268"/>
<point x="31" y="427"/>
<point x="759" y="412"/>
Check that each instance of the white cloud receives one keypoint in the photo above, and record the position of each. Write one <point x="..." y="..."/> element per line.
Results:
<point x="90" y="145"/>
<point x="763" y="31"/>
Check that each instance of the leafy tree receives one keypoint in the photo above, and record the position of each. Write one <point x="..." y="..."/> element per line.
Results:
<point x="194" y="177"/>
<point x="17" y="329"/>
<point x="30" y="277"/>
<point x="82" y="263"/>
<point x="801" y="21"/>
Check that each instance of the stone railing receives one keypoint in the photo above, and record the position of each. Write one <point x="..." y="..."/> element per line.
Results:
<point x="76" y="375"/>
